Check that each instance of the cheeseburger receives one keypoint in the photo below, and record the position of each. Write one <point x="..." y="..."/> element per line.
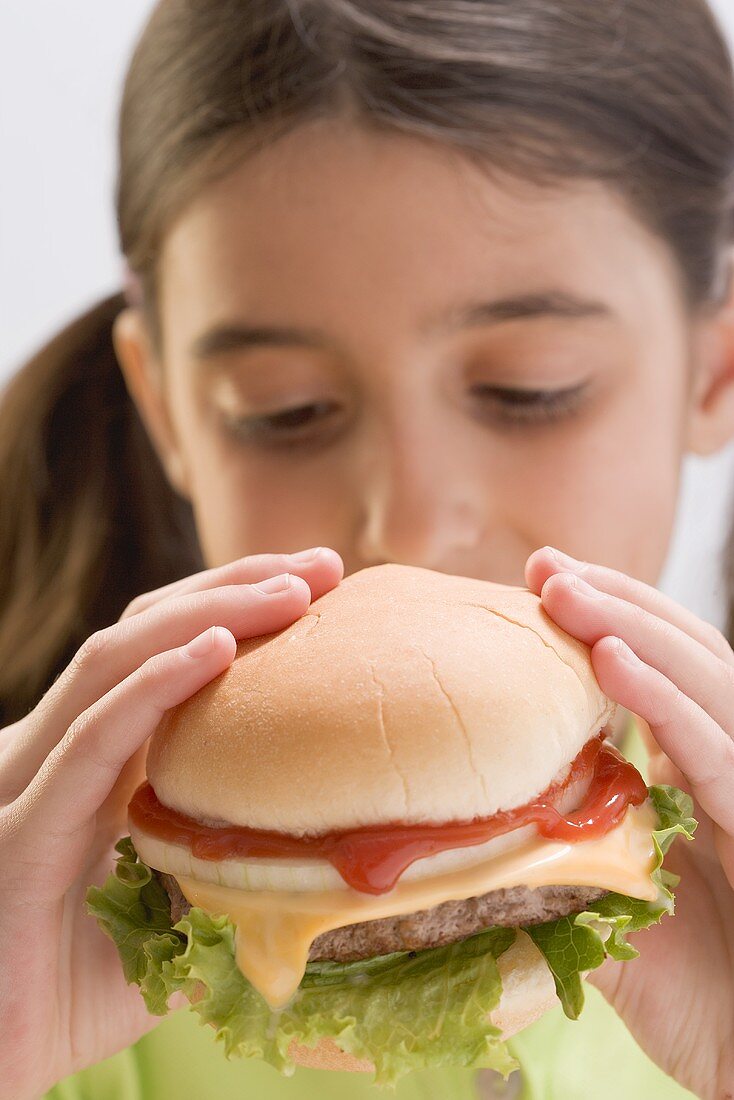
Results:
<point x="391" y="835"/>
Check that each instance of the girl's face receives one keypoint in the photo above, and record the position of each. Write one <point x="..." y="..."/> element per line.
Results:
<point x="370" y="344"/>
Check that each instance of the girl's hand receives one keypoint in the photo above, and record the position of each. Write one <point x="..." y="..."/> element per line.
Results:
<point x="67" y="771"/>
<point x="676" y="672"/>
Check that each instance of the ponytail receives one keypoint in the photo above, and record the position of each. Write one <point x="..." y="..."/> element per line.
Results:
<point x="88" y="518"/>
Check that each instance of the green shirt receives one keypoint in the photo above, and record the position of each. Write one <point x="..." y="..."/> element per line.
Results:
<point x="594" y="1056"/>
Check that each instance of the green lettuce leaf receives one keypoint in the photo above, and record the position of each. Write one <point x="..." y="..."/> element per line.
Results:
<point x="574" y="945"/>
<point x="134" y="910"/>
<point x="401" y="1011"/>
<point x="405" y="1011"/>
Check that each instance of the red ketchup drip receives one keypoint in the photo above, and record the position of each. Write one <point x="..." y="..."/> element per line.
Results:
<point x="372" y="859"/>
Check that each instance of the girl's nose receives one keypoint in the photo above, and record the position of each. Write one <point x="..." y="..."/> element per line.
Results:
<point x="418" y="508"/>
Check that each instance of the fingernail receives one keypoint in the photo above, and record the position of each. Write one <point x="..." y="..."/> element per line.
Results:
<point x="586" y="591"/>
<point x="623" y="651"/>
<point x="566" y="559"/>
<point x="274" y="584"/>
<point x="306" y="555"/>
<point x="202" y="643"/>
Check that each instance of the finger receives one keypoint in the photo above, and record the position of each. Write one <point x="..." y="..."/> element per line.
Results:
<point x="546" y="562"/>
<point x="72" y="784"/>
<point x="9" y="734"/>
<point x="590" y="615"/>
<point x="688" y="736"/>
<point x="114" y="653"/>
<point x="320" y="567"/>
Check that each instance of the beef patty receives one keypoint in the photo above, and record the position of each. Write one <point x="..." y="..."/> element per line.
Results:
<point x="445" y="923"/>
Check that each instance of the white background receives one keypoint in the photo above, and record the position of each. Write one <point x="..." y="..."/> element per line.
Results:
<point x="61" y="70"/>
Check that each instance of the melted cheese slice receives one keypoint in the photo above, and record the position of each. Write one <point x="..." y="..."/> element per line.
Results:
<point x="275" y="929"/>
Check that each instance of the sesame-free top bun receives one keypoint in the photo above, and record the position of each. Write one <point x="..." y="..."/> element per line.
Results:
<point x="403" y="695"/>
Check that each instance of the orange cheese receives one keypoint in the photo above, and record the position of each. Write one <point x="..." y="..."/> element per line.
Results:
<point x="275" y="929"/>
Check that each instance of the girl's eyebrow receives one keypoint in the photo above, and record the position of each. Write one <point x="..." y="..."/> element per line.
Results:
<point x="520" y="307"/>
<point x="235" y="336"/>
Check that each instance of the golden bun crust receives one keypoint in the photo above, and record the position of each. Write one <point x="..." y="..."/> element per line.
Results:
<point x="402" y="695"/>
<point x="327" y="1055"/>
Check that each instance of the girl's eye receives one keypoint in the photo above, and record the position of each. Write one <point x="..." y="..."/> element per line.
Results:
<point x="515" y="406"/>
<point x="311" y="421"/>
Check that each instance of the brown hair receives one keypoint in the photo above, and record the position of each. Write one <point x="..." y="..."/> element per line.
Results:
<point x="637" y="94"/>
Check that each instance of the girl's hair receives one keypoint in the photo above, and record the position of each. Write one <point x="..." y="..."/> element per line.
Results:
<point x="636" y="93"/>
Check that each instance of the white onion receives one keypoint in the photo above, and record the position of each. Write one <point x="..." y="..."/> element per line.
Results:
<point x="251" y="874"/>
<point x="294" y="875"/>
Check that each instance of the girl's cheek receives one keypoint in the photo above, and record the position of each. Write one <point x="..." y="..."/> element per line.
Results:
<point x="606" y="492"/>
<point x="251" y="505"/>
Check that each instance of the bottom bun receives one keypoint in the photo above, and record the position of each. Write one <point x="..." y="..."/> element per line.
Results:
<point x="528" y="989"/>
<point x="528" y="992"/>
<point x="327" y="1055"/>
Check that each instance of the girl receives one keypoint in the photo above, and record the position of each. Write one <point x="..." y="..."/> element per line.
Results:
<point x="426" y="281"/>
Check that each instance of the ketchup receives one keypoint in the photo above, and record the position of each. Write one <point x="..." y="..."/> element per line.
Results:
<point x="372" y="859"/>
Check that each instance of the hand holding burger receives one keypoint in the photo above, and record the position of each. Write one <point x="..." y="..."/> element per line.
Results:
<point x="67" y="771"/>
<point x="390" y="835"/>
